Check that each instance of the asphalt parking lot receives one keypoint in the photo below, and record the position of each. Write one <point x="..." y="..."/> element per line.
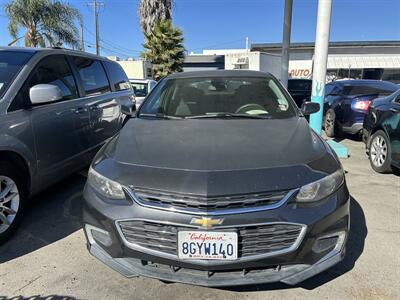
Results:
<point x="48" y="258"/>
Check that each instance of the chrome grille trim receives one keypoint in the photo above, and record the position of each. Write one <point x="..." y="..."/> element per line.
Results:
<point x="141" y="246"/>
<point x="209" y="212"/>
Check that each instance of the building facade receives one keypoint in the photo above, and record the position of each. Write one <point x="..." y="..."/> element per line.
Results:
<point x="358" y="60"/>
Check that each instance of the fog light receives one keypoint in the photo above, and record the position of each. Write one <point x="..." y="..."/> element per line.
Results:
<point x="332" y="241"/>
<point x="96" y="235"/>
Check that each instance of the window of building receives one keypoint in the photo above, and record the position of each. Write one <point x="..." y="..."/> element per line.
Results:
<point x="392" y="75"/>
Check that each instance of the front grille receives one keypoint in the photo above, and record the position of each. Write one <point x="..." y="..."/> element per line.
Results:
<point x="203" y="204"/>
<point x="252" y="239"/>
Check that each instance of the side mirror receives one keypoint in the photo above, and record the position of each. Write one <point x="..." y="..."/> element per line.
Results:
<point x="128" y="107"/>
<point x="45" y="93"/>
<point x="309" y="108"/>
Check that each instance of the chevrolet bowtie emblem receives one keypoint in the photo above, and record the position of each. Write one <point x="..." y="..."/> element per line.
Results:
<point x="206" y="222"/>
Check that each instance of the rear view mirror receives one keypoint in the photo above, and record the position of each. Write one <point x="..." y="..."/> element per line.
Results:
<point x="44" y="93"/>
<point x="309" y="108"/>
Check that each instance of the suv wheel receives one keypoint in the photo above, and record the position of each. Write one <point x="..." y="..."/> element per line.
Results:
<point x="379" y="152"/>
<point x="330" y="123"/>
<point x="12" y="198"/>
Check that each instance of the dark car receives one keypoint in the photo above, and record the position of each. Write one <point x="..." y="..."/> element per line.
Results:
<point x="300" y="90"/>
<point x="347" y="101"/>
<point x="218" y="181"/>
<point x="382" y="133"/>
<point x="57" y="107"/>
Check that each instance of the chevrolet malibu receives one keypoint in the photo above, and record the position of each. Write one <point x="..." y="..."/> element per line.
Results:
<point x="218" y="180"/>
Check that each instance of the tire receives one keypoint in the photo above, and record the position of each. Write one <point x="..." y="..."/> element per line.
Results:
<point x="330" y="125"/>
<point x="13" y="196"/>
<point x="380" y="153"/>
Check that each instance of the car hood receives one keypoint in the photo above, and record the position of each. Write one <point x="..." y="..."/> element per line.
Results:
<point x="261" y="154"/>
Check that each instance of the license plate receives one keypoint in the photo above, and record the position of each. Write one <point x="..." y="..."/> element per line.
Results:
<point x="207" y="245"/>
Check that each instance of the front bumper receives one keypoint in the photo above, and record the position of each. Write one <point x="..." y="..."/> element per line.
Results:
<point x="328" y="217"/>
<point x="291" y="274"/>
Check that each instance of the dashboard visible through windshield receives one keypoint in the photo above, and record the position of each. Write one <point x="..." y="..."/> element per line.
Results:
<point x="217" y="97"/>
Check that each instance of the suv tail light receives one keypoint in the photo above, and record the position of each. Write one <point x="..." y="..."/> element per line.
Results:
<point x="360" y="104"/>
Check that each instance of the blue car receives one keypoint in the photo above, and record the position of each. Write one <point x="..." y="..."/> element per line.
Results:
<point x="347" y="101"/>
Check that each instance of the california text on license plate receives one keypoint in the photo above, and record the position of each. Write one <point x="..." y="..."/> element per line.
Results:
<point x="207" y="245"/>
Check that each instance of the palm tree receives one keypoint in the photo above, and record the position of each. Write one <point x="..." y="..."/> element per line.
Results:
<point x="45" y="22"/>
<point x="151" y="12"/>
<point x="164" y="49"/>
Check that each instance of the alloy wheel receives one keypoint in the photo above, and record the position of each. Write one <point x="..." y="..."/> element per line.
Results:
<point x="329" y="121"/>
<point x="9" y="202"/>
<point x="378" y="151"/>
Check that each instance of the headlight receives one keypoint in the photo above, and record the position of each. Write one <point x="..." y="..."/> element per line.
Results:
<point x="322" y="188"/>
<point x="105" y="186"/>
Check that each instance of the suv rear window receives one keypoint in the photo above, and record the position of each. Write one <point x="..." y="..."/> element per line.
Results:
<point x="370" y="88"/>
<point x="118" y="77"/>
<point x="93" y="76"/>
<point x="11" y="62"/>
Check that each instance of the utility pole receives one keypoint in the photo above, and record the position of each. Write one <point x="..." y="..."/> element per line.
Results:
<point x="95" y="5"/>
<point x="287" y="28"/>
<point x="320" y="61"/>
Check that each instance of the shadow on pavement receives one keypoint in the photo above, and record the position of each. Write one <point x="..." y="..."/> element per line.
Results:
<point x="49" y="297"/>
<point x="49" y="217"/>
<point x="355" y="247"/>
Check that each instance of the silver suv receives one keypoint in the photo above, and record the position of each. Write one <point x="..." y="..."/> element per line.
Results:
<point x="57" y="107"/>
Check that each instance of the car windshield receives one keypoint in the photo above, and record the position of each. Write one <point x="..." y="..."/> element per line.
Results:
<point x="10" y="64"/>
<point x="218" y="97"/>
<point x="140" y="89"/>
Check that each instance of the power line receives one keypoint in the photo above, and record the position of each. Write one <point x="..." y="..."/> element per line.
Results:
<point x="112" y="44"/>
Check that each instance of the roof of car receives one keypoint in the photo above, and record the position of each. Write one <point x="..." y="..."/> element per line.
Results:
<point x="219" y="73"/>
<point x="52" y="50"/>
<point x="359" y="82"/>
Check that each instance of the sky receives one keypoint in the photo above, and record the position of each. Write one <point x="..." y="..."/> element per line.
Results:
<point x="222" y="24"/>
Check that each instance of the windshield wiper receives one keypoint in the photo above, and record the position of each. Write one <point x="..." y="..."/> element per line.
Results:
<point x="159" y="116"/>
<point x="229" y="115"/>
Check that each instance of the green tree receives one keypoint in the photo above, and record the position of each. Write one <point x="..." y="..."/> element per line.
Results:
<point x="152" y="12"/>
<point x="164" y="49"/>
<point x="43" y="22"/>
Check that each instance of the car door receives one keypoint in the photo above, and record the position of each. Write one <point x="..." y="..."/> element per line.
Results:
<point x="393" y="128"/>
<point x="60" y="129"/>
<point x="104" y="109"/>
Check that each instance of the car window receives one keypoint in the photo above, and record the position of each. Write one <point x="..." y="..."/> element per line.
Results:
<point x="93" y="76"/>
<point x="328" y="89"/>
<point x="118" y="77"/>
<point x="188" y="97"/>
<point x="51" y="70"/>
<point x="140" y="89"/>
<point x="11" y="63"/>
<point x="368" y="88"/>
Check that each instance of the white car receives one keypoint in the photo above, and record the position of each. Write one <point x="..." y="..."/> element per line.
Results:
<point x="142" y="88"/>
